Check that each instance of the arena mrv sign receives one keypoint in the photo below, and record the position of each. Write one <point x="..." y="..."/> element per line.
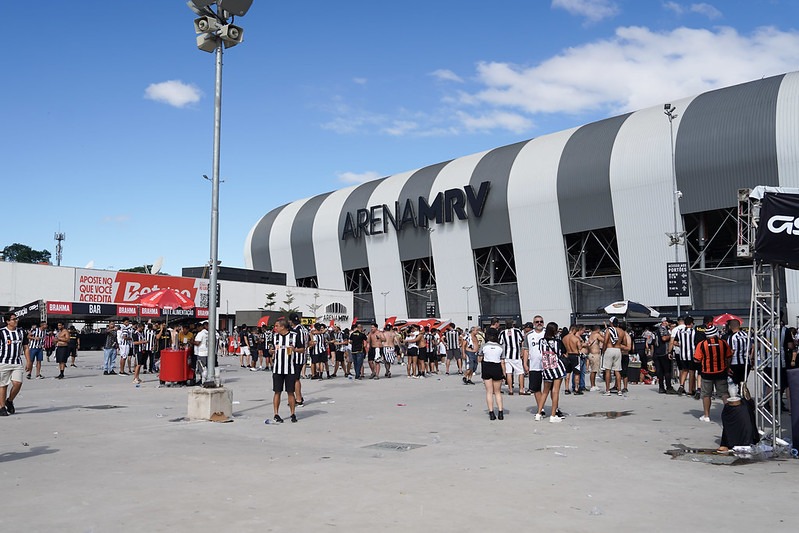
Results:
<point x="445" y="207"/>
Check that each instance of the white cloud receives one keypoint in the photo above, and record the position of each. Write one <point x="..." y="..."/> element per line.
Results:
<point x="443" y="74"/>
<point x="592" y="10"/>
<point x="401" y="127"/>
<point x="493" y="120"/>
<point x="707" y="10"/>
<point x="702" y="9"/>
<point x="173" y="92"/>
<point x="636" y="68"/>
<point x="355" y="177"/>
<point x="116" y="219"/>
<point x="360" y="81"/>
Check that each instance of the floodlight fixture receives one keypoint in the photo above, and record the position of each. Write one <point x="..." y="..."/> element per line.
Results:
<point x="201" y="7"/>
<point x="237" y="8"/>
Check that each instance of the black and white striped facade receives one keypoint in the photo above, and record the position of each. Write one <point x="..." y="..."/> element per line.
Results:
<point x="615" y="174"/>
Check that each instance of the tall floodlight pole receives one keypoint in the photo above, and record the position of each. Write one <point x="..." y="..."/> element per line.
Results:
<point x="676" y="238"/>
<point x="216" y="32"/>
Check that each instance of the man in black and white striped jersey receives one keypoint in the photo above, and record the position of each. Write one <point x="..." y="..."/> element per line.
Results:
<point x="741" y="351"/>
<point x="283" y="347"/>
<point x="452" y="339"/>
<point x="684" y="339"/>
<point x="13" y="350"/>
<point x="36" y="348"/>
<point x="511" y="339"/>
<point x="300" y="357"/>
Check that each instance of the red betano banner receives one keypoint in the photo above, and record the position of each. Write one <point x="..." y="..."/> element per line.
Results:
<point x="103" y="286"/>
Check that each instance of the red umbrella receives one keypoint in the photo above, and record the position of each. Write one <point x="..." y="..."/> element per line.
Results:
<point x="263" y="321"/>
<point x="726" y="317"/>
<point x="167" y="299"/>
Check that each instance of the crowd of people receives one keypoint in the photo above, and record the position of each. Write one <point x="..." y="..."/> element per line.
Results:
<point x="538" y="359"/>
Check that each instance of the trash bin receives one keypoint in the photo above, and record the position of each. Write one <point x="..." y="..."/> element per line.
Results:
<point x="174" y="366"/>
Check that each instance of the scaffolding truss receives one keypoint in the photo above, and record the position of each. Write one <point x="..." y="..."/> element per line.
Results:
<point x="764" y="322"/>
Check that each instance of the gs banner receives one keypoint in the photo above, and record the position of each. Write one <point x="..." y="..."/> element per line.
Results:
<point x="777" y="238"/>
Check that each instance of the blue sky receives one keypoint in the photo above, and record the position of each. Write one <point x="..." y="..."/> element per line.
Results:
<point x="108" y="106"/>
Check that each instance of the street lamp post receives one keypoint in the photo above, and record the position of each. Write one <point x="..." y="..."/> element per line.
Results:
<point x="216" y="32"/>
<point x="467" y="289"/>
<point x="385" y="315"/>
<point x="676" y="238"/>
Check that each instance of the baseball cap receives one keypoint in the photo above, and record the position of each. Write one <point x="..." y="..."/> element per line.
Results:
<point x="528" y="325"/>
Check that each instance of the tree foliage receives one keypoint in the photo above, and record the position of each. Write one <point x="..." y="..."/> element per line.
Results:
<point x="22" y="253"/>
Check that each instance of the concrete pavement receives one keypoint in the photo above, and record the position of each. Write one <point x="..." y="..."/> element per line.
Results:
<point x="96" y="453"/>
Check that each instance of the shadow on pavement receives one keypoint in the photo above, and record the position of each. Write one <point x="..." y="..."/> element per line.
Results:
<point x="33" y="452"/>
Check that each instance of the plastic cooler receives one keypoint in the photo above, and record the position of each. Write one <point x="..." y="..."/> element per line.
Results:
<point x="174" y="366"/>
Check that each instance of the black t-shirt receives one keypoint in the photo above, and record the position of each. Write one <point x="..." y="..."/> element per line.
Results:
<point x="662" y="347"/>
<point x="357" y="340"/>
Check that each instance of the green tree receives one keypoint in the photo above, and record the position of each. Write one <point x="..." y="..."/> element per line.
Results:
<point x="22" y="253"/>
<point x="287" y="303"/>
<point x="143" y="269"/>
<point x="270" y="300"/>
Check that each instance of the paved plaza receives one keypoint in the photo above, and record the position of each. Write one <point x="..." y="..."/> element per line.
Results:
<point x="96" y="453"/>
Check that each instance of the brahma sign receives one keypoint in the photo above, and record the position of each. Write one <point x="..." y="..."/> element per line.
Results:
<point x="102" y="286"/>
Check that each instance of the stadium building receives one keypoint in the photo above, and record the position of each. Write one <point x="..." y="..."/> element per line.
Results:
<point x="557" y="225"/>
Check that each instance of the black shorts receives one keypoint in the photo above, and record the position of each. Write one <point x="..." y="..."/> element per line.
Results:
<point x="372" y="352"/>
<point x="61" y="354"/>
<point x="281" y="382"/>
<point x="413" y="351"/>
<point x="318" y="359"/>
<point x="339" y="356"/>
<point x="73" y="351"/>
<point x="536" y="380"/>
<point x="572" y="362"/>
<point x="141" y="357"/>
<point x="684" y="365"/>
<point x="625" y="363"/>
<point x="738" y="373"/>
<point x="492" y="371"/>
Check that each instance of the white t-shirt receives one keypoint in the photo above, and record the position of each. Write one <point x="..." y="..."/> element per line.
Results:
<point x="202" y="338"/>
<point x="531" y="343"/>
<point x="492" y="352"/>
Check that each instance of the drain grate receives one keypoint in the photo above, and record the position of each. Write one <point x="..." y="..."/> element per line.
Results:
<point x="396" y="446"/>
<point x="104" y="407"/>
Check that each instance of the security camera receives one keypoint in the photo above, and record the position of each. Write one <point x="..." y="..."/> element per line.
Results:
<point x="679" y="194"/>
<point x="206" y="25"/>
<point x="231" y="35"/>
<point x="667" y="107"/>
<point x="207" y="42"/>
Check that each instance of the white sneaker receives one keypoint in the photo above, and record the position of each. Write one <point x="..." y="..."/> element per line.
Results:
<point x="538" y="417"/>
<point x="555" y="419"/>
<point x="606" y="393"/>
<point x="593" y="389"/>
<point x="704" y="418"/>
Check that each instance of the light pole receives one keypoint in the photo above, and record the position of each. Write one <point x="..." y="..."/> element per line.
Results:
<point x="676" y="238"/>
<point x="467" y="289"/>
<point x="215" y="32"/>
<point x="385" y="315"/>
